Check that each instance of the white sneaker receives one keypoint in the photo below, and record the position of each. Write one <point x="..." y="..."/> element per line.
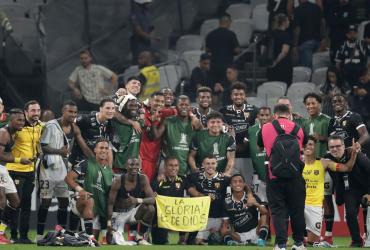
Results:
<point x="322" y="244"/>
<point x="300" y="247"/>
<point x="143" y="242"/>
<point x="276" y="247"/>
<point x="119" y="240"/>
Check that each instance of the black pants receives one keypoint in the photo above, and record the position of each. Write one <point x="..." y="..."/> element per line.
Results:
<point x="24" y="182"/>
<point x="286" y="199"/>
<point x="352" y="200"/>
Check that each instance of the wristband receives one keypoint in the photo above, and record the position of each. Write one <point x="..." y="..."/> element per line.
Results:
<point x="17" y="160"/>
<point x="139" y="200"/>
<point x="109" y="223"/>
<point x="78" y="188"/>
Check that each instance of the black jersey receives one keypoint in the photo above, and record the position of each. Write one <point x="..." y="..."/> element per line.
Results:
<point x="241" y="120"/>
<point x="80" y="169"/>
<point x="216" y="186"/>
<point x="242" y="218"/>
<point x="346" y="126"/>
<point x="137" y="192"/>
<point x="167" y="187"/>
<point x="202" y="118"/>
<point x="92" y="129"/>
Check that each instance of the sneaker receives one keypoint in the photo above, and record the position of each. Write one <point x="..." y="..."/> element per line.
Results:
<point x="4" y="240"/>
<point x="298" y="247"/>
<point x="328" y="239"/>
<point x="322" y="244"/>
<point x="13" y="240"/>
<point x="261" y="242"/>
<point x="276" y="247"/>
<point x="24" y="240"/>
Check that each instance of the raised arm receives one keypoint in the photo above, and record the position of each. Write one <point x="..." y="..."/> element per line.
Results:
<point x="81" y="142"/>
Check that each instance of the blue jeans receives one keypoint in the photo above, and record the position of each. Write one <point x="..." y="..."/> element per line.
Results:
<point x="306" y="50"/>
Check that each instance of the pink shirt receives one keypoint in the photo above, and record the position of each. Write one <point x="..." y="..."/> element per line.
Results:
<point x="269" y="134"/>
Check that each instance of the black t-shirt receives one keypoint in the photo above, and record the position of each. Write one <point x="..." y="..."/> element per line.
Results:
<point x="308" y="17"/>
<point x="221" y="42"/>
<point x="241" y="120"/>
<point x="92" y="130"/>
<point x="346" y="126"/>
<point x="170" y="188"/>
<point x="242" y="218"/>
<point x="216" y="186"/>
<point x="282" y="37"/>
<point x="202" y="118"/>
<point x="201" y="77"/>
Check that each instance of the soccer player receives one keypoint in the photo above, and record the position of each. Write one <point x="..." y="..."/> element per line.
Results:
<point x="57" y="140"/>
<point x="126" y="139"/>
<point x="8" y="191"/>
<point x="213" y="142"/>
<point x="241" y="116"/>
<point x="27" y="146"/>
<point x="245" y="224"/>
<point x="314" y="175"/>
<point x="317" y="125"/>
<point x="204" y="101"/>
<point x="91" y="180"/>
<point x="177" y="132"/>
<point x="131" y="200"/>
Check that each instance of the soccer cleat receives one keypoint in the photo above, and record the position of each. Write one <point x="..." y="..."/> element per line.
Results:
<point x="261" y="242"/>
<point x="298" y="247"/>
<point x="328" y="239"/>
<point x="4" y="240"/>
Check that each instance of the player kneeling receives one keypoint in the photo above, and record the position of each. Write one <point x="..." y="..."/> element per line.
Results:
<point x="242" y="225"/>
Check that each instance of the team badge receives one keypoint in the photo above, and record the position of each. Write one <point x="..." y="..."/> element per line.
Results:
<point x="217" y="185"/>
<point x="344" y="123"/>
<point x="246" y="115"/>
<point x="177" y="184"/>
<point x="316" y="172"/>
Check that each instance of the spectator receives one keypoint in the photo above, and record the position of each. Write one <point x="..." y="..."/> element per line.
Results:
<point x="87" y="82"/>
<point x="350" y="187"/>
<point x="352" y="56"/>
<point x="213" y="142"/>
<point x="232" y="76"/>
<point x="308" y="32"/>
<point x="339" y="16"/>
<point x="149" y="75"/>
<point x="204" y="101"/>
<point x="222" y="44"/>
<point x="286" y="196"/>
<point x="334" y="84"/>
<point x="279" y="7"/>
<point x="240" y="116"/>
<point x="142" y="28"/>
<point x="361" y="98"/>
<point x="281" y="68"/>
<point x="4" y="117"/>
<point x="26" y="145"/>
<point x="200" y="75"/>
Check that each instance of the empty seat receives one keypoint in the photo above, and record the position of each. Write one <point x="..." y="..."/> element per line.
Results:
<point x="260" y="17"/>
<point x="298" y="90"/>
<point x="320" y="60"/>
<point x="301" y="74"/>
<point x="299" y="108"/>
<point x="207" y="26"/>
<point x="243" y="30"/>
<point x="189" y="42"/>
<point x="239" y="11"/>
<point x="190" y="60"/>
<point x="276" y="83"/>
<point x="255" y="100"/>
<point x="253" y="3"/>
<point x="208" y="7"/>
<point x="170" y="76"/>
<point x="268" y="92"/>
<point x="131" y="71"/>
<point x="14" y="10"/>
<point x="319" y="76"/>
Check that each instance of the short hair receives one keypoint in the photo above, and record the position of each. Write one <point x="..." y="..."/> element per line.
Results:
<point x="170" y="158"/>
<point x="264" y="108"/>
<point x="101" y="139"/>
<point x="239" y="86"/>
<point x="311" y="138"/>
<point x="204" y="56"/>
<point x="215" y="115"/>
<point x="312" y="95"/>
<point x="225" y="17"/>
<point x="133" y="78"/>
<point x="336" y="137"/>
<point x="29" y="103"/>
<point x="85" y="51"/>
<point x="16" y="111"/>
<point x="283" y="97"/>
<point x="209" y="157"/>
<point x="204" y="89"/>
<point x="182" y="98"/>
<point x="340" y="95"/>
<point x="157" y="93"/>
<point x="281" y="109"/>
<point x="236" y="175"/>
<point x="69" y="103"/>
<point x="233" y="66"/>
<point x="104" y="101"/>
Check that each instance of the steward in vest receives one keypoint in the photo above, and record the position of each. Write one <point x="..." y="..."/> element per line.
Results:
<point x="149" y="75"/>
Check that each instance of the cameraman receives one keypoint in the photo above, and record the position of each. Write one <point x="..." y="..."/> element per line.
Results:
<point x="351" y="187"/>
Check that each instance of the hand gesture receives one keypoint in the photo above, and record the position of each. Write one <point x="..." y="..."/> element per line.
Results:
<point x="132" y="201"/>
<point x="121" y="92"/>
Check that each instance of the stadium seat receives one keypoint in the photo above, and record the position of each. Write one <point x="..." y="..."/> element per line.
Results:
<point x="276" y="83"/>
<point x="253" y="3"/>
<point x="301" y="74"/>
<point x="14" y="10"/>
<point x="260" y="17"/>
<point x="170" y="76"/>
<point x="208" y="26"/>
<point x="239" y="11"/>
<point x="243" y="30"/>
<point x="131" y="71"/>
<point x="208" y="7"/>
<point x="269" y="92"/>
<point x="361" y="29"/>
<point x="320" y="59"/>
<point x="255" y="100"/>
<point x="189" y="60"/>
<point x="299" y="107"/>
<point x="297" y="90"/>
<point x="319" y="76"/>
<point x="189" y="42"/>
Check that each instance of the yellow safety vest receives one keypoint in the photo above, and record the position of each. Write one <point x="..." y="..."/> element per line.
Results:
<point x="151" y="74"/>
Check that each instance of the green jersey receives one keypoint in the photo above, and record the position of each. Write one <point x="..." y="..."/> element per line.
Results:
<point x="98" y="180"/>
<point x="205" y="144"/>
<point x="258" y="157"/>
<point x="129" y="144"/>
<point x="177" y="139"/>
<point x="318" y="125"/>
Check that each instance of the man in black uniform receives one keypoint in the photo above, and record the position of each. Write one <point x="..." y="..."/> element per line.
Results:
<point x="131" y="200"/>
<point x="204" y="101"/>
<point x="172" y="185"/>
<point x="8" y="191"/>
<point x="240" y="116"/>
<point x="243" y="224"/>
